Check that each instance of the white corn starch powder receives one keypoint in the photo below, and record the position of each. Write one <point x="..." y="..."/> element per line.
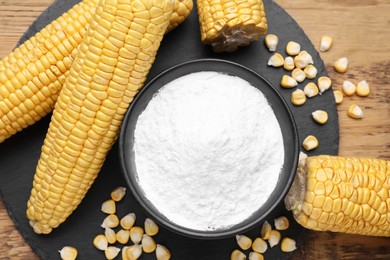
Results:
<point x="208" y="150"/>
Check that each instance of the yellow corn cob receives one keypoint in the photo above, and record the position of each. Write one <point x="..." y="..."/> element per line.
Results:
<point x="110" y="68"/>
<point x="339" y="194"/>
<point x="227" y="24"/>
<point x="32" y="76"/>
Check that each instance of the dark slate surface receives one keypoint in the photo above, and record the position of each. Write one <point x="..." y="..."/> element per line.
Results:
<point x="20" y="154"/>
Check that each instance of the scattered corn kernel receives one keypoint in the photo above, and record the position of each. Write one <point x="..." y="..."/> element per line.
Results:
<point x="320" y="116"/>
<point x="118" y="193"/>
<point x="326" y="43"/>
<point x="293" y="48"/>
<point x="311" y="89"/>
<point x="110" y="235"/>
<point x="310" y="71"/>
<point x="237" y="255"/>
<point x="298" y="97"/>
<point x="355" y="112"/>
<point x="298" y="74"/>
<point x="289" y="63"/>
<point x="148" y="244"/>
<point x="162" y="253"/>
<point x="109" y="207"/>
<point x="349" y="88"/>
<point x="363" y="88"/>
<point x="259" y="245"/>
<point x="128" y="221"/>
<point x="111" y="252"/>
<point x="110" y="221"/>
<point x="324" y="83"/>
<point x="288" y="245"/>
<point x="276" y="60"/>
<point x="274" y="238"/>
<point x="288" y="82"/>
<point x="151" y="228"/>
<point x="124" y="255"/>
<point x="271" y="41"/>
<point x="281" y="223"/>
<point x="68" y="253"/>
<point x="255" y="256"/>
<point x="265" y="230"/>
<point x="133" y="252"/>
<point x="100" y="242"/>
<point x="310" y="143"/>
<point x="303" y="59"/>
<point x="136" y="234"/>
<point x="341" y="65"/>
<point x="122" y="236"/>
<point x="338" y="96"/>
<point x="243" y="242"/>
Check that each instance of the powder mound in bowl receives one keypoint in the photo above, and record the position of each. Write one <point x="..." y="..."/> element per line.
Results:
<point x="208" y="150"/>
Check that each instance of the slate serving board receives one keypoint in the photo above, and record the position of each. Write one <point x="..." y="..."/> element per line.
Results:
<point x="19" y="154"/>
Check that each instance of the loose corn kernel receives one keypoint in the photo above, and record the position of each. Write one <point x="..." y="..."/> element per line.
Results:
<point x="100" y="242"/>
<point x="271" y="41"/>
<point x="363" y="89"/>
<point x="266" y="230"/>
<point x="122" y="236"/>
<point x="274" y="238"/>
<point x="243" y="242"/>
<point x="259" y="245"/>
<point x="124" y="255"/>
<point x="288" y="245"/>
<point x="293" y="48"/>
<point x="128" y="221"/>
<point x="151" y="228"/>
<point x="110" y="221"/>
<point x="326" y="43"/>
<point x="288" y="82"/>
<point x="338" y="96"/>
<point x="111" y="252"/>
<point x="303" y="59"/>
<point x="341" y="65"/>
<point x="133" y="252"/>
<point x="109" y="207"/>
<point x="311" y="89"/>
<point x="237" y="255"/>
<point x="255" y="256"/>
<point x="136" y="234"/>
<point x="298" y="74"/>
<point x="281" y="223"/>
<point x="320" y="116"/>
<point x="148" y="244"/>
<point x="310" y="71"/>
<point x="68" y="253"/>
<point x="276" y="60"/>
<point x="298" y="97"/>
<point x="324" y="83"/>
<point x="349" y="88"/>
<point x="355" y="112"/>
<point x="118" y="193"/>
<point x="162" y="253"/>
<point x="110" y="235"/>
<point x="310" y="143"/>
<point x="289" y="63"/>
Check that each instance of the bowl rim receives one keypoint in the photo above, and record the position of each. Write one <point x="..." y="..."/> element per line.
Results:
<point x="199" y="234"/>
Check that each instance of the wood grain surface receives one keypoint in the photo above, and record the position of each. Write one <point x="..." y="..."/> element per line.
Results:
<point x="361" y="32"/>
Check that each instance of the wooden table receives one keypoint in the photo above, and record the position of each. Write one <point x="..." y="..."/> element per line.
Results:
<point x="361" y="32"/>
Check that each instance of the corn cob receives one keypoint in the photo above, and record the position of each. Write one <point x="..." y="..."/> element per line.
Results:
<point x="32" y="76"/>
<point x="110" y="68"/>
<point x="227" y="24"/>
<point x="350" y="195"/>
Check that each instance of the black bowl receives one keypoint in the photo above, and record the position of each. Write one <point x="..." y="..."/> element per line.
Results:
<point x="283" y="115"/>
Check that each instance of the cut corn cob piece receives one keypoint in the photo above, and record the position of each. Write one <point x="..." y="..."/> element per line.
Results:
<point x="102" y="83"/>
<point x="32" y="76"/>
<point x="363" y="89"/>
<point x="111" y="252"/>
<point x="244" y="242"/>
<point x="266" y="230"/>
<point x="68" y="253"/>
<point x="338" y="194"/>
<point x="355" y="112"/>
<point x="255" y="256"/>
<point x="326" y="43"/>
<point x="293" y="48"/>
<point x="148" y="244"/>
<point x="259" y="245"/>
<point x="162" y="253"/>
<point x="281" y="223"/>
<point x="118" y="193"/>
<point x="341" y="65"/>
<point x="276" y="60"/>
<point x="237" y="255"/>
<point x="288" y="245"/>
<point x="271" y="41"/>
<point x="310" y="143"/>
<point x="232" y="23"/>
<point x="338" y="96"/>
<point x="151" y="228"/>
